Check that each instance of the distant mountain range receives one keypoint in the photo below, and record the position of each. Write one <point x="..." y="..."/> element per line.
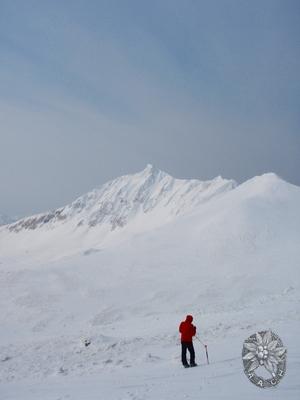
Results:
<point x="131" y="204"/>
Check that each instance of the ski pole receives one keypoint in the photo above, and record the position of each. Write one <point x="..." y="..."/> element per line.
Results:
<point x="200" y="341"/>
<point x="206" y="354"/>
<point x="205" y="345"/>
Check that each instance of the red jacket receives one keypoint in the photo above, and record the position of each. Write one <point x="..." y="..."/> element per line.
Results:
<point x="187" y="329"/>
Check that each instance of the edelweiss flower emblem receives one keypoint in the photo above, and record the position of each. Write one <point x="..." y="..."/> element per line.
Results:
<point x="264" y="349"/>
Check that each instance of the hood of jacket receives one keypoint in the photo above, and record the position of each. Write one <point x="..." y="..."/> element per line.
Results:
<point x="189" y="318"/>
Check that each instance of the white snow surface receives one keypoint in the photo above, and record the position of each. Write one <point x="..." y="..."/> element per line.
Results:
<point x="227" y="254"/>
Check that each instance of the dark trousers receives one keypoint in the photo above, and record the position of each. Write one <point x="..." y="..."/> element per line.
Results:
<point x="184" y="347"/>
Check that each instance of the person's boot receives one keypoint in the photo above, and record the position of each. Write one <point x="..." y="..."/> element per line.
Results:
<point x="186" y="365"/>
<point x="193" y="364"/>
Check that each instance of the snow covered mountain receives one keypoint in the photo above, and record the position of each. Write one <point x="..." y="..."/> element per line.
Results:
<point x="120" y="201"/>
<point x="142" y="201"/>
<point x="227" y="254"/>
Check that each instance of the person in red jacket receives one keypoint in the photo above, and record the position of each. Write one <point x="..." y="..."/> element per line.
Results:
<point x="187" y="330"/>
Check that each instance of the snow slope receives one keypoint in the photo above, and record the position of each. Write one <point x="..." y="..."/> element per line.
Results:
<point x="232" y="261"/>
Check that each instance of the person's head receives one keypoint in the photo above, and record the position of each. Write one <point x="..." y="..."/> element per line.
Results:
<point x="189" y="318"/>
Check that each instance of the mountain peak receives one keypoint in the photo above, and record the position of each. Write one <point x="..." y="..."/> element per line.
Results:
<point x="150" y="169"/>
<point x="266" y="182"/>
<point x="129" y="199"/>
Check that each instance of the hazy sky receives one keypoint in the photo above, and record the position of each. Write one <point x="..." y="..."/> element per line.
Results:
<point x="90" y="90"/>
